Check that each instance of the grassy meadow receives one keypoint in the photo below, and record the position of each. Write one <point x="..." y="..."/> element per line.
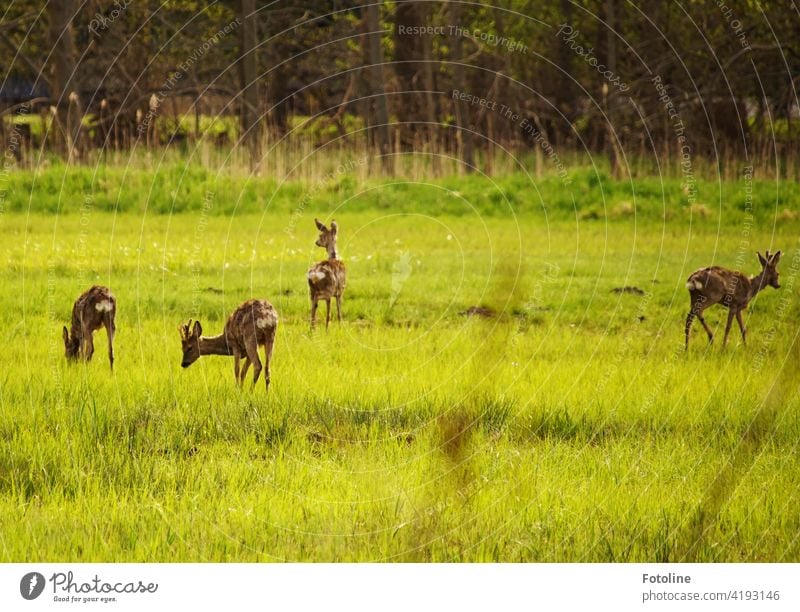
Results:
<point x="568" y="426"/>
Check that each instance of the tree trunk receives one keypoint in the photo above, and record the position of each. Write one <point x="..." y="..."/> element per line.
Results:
<point x="462" y="109"/>
<point x="408" y="54"/>
<point x="63" y="80"/>
<point x="430" y="102"/>
<point x="376" y="80"/>
<point x="414" y="70"/>
<point x="249" y="117"/>
<point x="609" y="96"/>
<point x="565" y="91"/>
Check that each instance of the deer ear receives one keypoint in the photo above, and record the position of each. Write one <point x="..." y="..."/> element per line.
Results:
<point x="65" y="334"/>
<point x="761" y="259"/>
<point x="334" y="227"/>
<point x="320" y="226"/>
<point x="198" y="329"/>
<point x="776" y="258"/>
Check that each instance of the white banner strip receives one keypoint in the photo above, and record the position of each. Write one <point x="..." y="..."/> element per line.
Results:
<point x="400" y="588"/>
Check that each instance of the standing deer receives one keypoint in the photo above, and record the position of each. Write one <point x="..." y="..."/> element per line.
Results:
<point x="732" y="289"/>
<point x="252" y="324"/>
<point x="95" y="308"/>
<point x="327" y="279"/>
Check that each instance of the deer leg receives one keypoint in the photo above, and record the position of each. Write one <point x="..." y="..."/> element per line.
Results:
<point x="252" y="355"/>
<point x="327" y="312"/>
<point x="268" y="354"/>
<point x="339" y="308"/>
<point x="707" y="328"/>
<point x="89" y="346"/>
<point x="741" y="326"/>
<point x="110" y="329"/>
<point x="313" y="312"/>
<point x="236" y="357"/>
<point x="83" y="347"/>
<point x="689" y="320"/>
<point x="728" y="327"/>
<point x="245" y="367"/>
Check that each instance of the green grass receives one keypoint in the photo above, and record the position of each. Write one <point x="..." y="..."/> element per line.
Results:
<point x="571" y="427"/>
<point x="167" y="183"/>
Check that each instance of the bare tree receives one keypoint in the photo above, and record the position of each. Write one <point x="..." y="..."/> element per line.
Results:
<point x="376" y="81"/>
<point x="63" y="77"/>
<point x="413" y="58"/>
<point x="609" y="97"/>
<point x="462" y="110"/>
<point x="249" y="114"/>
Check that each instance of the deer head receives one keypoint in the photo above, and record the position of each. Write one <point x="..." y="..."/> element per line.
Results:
<point x="769" y="272"/>
<point x="327" y="237"/>
<point x="190" y="342"/>
<point x="71" y="345"/>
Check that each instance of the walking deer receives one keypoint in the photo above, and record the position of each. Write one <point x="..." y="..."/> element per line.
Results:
<point x="732" y="289"/>
<point x="95" y="308"/>
<point x="251" y="325"/>
<point x="327" y="279"/>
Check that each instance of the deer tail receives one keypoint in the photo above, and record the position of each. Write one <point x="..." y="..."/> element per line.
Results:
<point x="316" y="275"/>
<point x="270" y="320"/>
<point x="694" y="284"/>
<point x="104" y="306"/>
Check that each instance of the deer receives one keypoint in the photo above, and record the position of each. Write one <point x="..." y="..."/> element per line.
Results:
<point x="95" y="308"/>
<point x="732" y="289"/>
<point x="253" y="324"/>
<point x="327" y="279"/>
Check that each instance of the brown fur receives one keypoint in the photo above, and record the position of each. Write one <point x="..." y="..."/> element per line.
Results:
<point x="86" y="319"/>
<point x="327" y="279"/>
<point x="731" y="289"/>
<point x="253" y="324"/>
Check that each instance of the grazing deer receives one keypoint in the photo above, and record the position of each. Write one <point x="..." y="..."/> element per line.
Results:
<point x="732" y="289"/>
<point x="95" y="308"/>
<point x="252" y="324"/>
<point x="327" y="279"/>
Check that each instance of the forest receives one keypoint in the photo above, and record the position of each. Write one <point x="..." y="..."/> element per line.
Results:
<point x="632" y="81"/>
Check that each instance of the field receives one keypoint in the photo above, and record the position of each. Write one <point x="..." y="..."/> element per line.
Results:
<point x="568" y="426"/>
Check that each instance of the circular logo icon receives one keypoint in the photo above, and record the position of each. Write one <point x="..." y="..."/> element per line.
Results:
<point x="31" y="585"/>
